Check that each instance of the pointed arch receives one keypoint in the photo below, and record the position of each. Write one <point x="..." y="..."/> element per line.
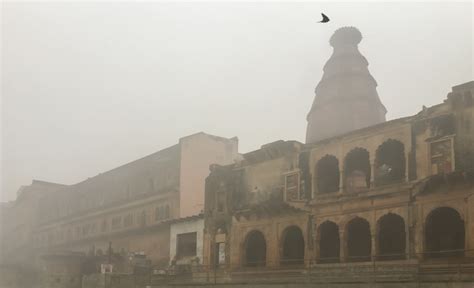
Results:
<point x="357" y="170"/>
<point x="359" y="242"/>
<point x="329" y="243"/>
<point x="292" y="246"/>
<point x="255" y="249"/>
<point x="327" y="174"/>
<point x="444" y="233"/>
<point x="390" y="162"/>
<point x="391" y="237"/>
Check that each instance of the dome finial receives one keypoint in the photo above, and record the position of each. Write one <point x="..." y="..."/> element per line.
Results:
<point x="345" y="36"/>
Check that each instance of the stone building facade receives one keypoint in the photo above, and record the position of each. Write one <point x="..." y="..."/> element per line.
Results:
<point x="401" y="190"/>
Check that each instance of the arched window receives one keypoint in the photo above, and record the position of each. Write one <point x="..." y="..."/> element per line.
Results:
<point x="390" y="162"/>
<point x="391" y="237"/>
<point x="444" y="233"/>
<point x="329" y="242"/>
<point x="292" y="246"/>
<point x="255" y="249"/>
<point x="327" y="170"/>
<point x="157" y="213"/>
<point x="358" y="240"/>
<point x="357" y="170"/>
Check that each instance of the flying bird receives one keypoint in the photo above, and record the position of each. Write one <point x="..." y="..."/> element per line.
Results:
<point x="325" y="18"/>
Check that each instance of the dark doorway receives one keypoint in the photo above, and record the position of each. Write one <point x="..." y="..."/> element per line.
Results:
<point x="255" y="249"/>
<point x="358" y="240"/>
<point x="391" y="237"/>
<point x="186" y="245"/>
<point x="444" y="233"/>
<point x="357" y="170"/>
<point x="390" y="162"/>
<point x="327" y="174"/>
<point x="329" y="242"/>
<point x="292" y="246"/>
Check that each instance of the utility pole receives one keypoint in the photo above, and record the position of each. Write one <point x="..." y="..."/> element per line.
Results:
<point x="109" y="262"/>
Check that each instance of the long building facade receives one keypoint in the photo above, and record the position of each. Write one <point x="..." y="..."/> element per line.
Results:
<point x="127" y="210"/>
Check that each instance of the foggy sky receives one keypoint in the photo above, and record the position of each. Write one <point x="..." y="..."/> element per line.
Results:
<point x="87" y="87"/>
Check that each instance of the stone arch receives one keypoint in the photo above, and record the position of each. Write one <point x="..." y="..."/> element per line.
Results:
<point x="292" y="246"/>
<point x="391" y="237"/>
<point x="390" y="162"/>
<point x="358" y="240"/>
<point x="255" y="249"/>
<point x="329" y="242"/>
<point x="444" y="233"/>
<point x="327" y="174"/>
<point x="453" y="206"/>
<point x="357" y="170"/>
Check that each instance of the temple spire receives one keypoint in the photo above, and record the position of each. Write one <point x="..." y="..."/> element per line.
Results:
<point x="346" y="97"/>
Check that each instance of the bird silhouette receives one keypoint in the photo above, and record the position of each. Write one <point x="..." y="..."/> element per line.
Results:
<point x="325" y="18"/>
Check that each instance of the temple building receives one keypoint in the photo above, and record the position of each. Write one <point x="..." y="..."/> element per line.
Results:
<point x="395" y="195"/>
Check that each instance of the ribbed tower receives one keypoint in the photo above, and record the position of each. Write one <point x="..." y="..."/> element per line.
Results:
<point x="346" y="97"/>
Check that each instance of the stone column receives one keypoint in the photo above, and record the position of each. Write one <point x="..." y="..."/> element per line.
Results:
<point x="372" y="172"/>
<point x="341" y="181"/>
<point x="373" y="239"/>
<point x="419" y="237"/>
<point x="273" y="247"/>
<point x="342" y="246"/>
<point x="407" y="234"/>
<point x="317" y="238"/>
<point x="373" y="246"/>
